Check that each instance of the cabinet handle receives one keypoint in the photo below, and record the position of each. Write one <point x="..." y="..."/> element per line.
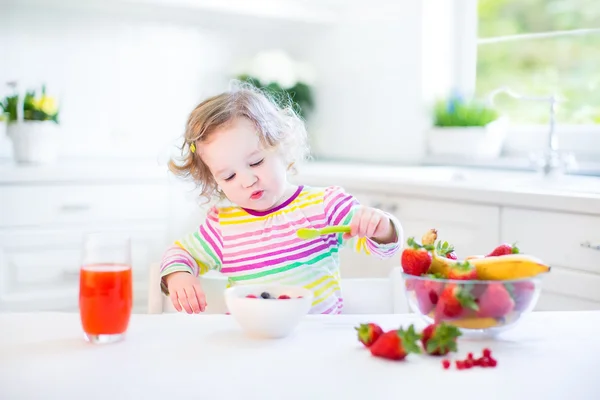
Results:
<point x="74" y="207"/>
<point x="589" y="245"/>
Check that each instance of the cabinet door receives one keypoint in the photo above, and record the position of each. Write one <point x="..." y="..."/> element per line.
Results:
<point x="356" y="265"/>
<point x="39" y="268"/>
<point x="561" y="239"/>
<point x="566" y="241"/>
<point x="471" y="228"/>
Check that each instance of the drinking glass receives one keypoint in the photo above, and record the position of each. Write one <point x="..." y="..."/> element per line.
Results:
<point x="105" y="287"/>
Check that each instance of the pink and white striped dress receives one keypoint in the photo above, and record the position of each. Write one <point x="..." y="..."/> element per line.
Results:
<point x="251" y="246"/>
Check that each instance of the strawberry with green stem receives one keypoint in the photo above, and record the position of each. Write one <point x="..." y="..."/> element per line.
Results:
<point x="396" y="344"/>
<point x="368" y="333"/>
<point x="462" y="271"/>
<point x="416" y="258"/>
<point x="445" y="249"/>
<point x="504" y="249"/>
<point x="440" y="339"/>
<point x="454" y="301"/>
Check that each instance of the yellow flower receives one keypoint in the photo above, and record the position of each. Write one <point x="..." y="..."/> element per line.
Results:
<point x="46" y="104"/>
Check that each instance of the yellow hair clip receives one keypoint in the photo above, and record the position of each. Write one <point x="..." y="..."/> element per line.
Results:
<point x="192" y="147"/>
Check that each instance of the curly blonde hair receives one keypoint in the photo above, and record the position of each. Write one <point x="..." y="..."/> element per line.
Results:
<point x="279" y="128"/>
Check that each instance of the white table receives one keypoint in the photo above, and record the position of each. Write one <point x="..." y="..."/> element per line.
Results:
<point x="551" y="355"/>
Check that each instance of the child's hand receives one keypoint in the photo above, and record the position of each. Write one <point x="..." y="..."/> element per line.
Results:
<point x="185" y="291"/>
<point x="372" y="223"/>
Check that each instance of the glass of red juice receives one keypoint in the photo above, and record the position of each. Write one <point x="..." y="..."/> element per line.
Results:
<point x="105" y="287"/>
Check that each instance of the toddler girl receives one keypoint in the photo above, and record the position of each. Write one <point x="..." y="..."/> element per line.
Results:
<point x="240" y="146"/>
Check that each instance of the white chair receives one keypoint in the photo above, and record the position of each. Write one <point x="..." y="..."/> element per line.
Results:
<point x="213" y="284"/>
<point x="361" y="295"/>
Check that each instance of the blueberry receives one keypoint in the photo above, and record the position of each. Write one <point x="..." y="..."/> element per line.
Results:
<point x="265" y="295"/>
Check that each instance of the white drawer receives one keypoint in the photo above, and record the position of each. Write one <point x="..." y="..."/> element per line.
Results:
<point x="37" y="205"/>
<point x="35" y="261"/>
<point x="550" y="301"/>
<point x="471" y="228"/>
<point x="581" y="285"/>
<point x="554" y="237"/>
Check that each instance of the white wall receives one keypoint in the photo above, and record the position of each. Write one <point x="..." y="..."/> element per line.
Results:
<point x="369" y="85"/>
<point x="128" y="79"/>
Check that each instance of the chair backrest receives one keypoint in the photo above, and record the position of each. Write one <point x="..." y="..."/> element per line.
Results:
<point x="361" y="295"/>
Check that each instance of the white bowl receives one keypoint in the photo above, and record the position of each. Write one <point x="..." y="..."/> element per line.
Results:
<point x="268" y="318"/>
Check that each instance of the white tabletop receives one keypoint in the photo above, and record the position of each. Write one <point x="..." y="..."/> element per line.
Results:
<point x="550" y="355"/>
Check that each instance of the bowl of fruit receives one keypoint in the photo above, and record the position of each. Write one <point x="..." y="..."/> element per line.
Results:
<point x="484" y="294"/>
<point x="268" y="311"/>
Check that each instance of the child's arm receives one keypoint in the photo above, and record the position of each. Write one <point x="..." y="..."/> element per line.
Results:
<point x="342" y="208"/>
<point x="195" y="253"/>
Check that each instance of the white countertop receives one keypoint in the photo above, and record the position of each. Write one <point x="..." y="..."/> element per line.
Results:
<point x="482" y="186"/>
<point x="66" y="171"/>
<point x="469" y="185"/>
<point x="550" y="355"/>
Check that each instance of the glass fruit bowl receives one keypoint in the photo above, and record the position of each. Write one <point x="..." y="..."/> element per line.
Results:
<point x="479" y="307"/>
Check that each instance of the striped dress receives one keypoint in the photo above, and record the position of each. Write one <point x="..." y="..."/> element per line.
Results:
<point x="249" y="246"/>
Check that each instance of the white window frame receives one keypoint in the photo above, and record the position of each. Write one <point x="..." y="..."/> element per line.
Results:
<point x="582" y="140"/>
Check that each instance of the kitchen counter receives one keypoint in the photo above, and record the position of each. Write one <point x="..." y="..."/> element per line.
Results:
<point x="568" y="193"/>
<point x="550" y="355"/>
<point x="65" y="171"/>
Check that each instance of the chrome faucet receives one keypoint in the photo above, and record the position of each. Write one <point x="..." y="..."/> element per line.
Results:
<point x="552" y="161"/>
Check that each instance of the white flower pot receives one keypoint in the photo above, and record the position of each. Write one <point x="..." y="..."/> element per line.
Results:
<point x="468" y="142"/>
<point x="34" y="142"/>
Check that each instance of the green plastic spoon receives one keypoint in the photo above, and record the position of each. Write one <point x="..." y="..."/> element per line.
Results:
<point x="311" y="233"/>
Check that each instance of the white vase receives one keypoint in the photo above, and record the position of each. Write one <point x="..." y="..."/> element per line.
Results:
<point x="34" y="142"/>
<point x="484" y="142"/>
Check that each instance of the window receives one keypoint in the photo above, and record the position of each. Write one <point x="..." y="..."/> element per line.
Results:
<point x="540" y="48"/>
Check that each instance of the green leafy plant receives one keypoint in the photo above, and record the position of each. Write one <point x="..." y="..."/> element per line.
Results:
<point x="456" y="111"/>
<point x="35" y="108"/>
<point x="299" y="96"/>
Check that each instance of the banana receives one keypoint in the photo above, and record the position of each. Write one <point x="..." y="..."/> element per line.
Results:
<point x="494" y="268"/>
<point x="440" y="265"/>
<point x="474" y="323"/>
<point x="511" y="266"/>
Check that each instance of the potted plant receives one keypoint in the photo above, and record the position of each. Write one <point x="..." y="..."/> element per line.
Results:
<point x="466" y="128"/>
<point x="286" y="80"/>
<point x="33" y="126"/>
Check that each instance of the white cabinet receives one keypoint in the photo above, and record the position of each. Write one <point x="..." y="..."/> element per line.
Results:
<point x="355" y="265"/>
<point x="471" y="228"/>
<point x="568" y="243"/>
<point x="41" y="229"/>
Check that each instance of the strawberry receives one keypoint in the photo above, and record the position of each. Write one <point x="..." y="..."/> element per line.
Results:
<point x="495" y="302"/>
<point x="284" y="297"/>
<point x="453" y="301"/>
<point x="427" y="292"/>
<point x="445" y="250"/>
<point x="521" y="293"/>
<point x="415" y="259"/>
<point x="462" y="271"/>
<point x="440" y="339"/>
<point x="396" y="344"/>
<point x="368" y="333"/>
<point x="504" y="249"/>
